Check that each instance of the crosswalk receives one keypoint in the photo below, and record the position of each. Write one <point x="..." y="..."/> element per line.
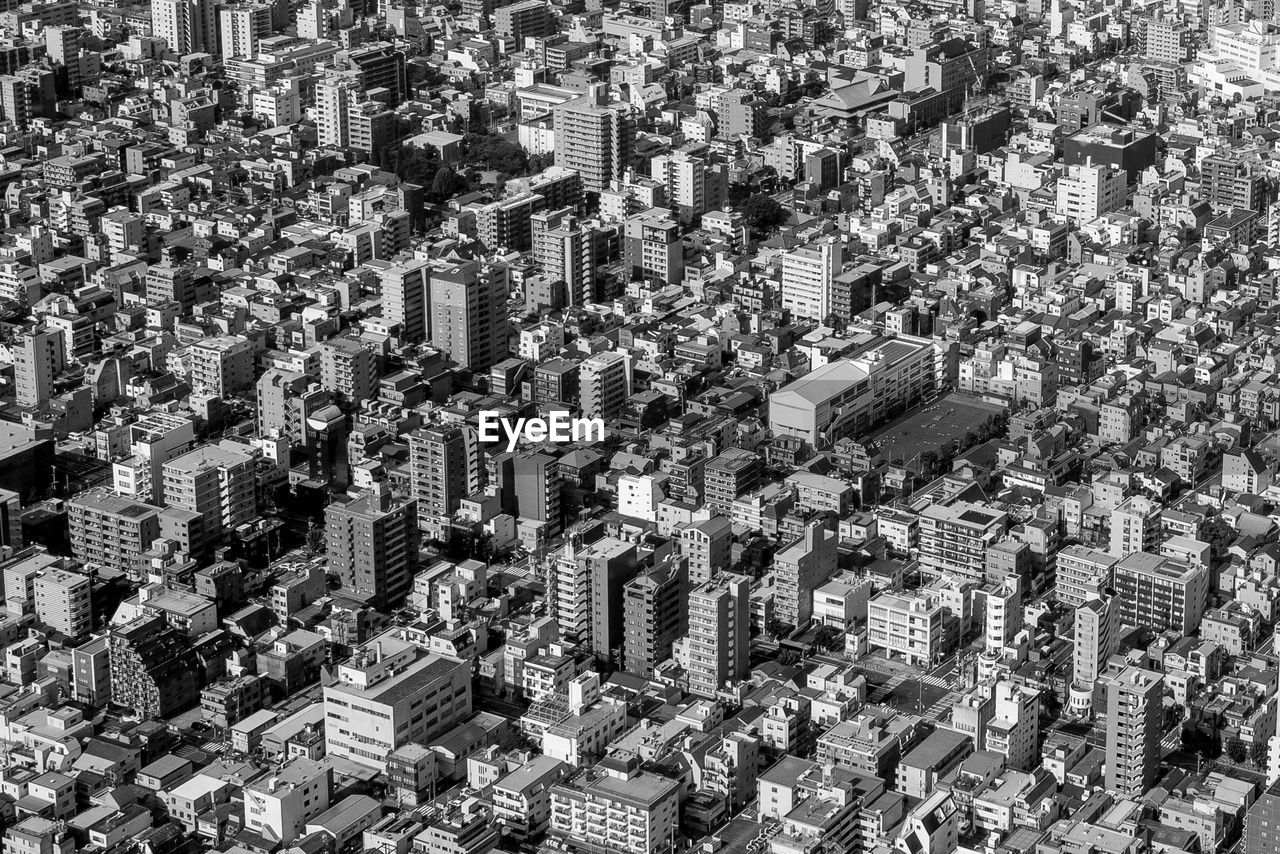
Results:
<point x="885" y="691"/>
<point x="941" y="708"/>
<point x="935" y="681"/>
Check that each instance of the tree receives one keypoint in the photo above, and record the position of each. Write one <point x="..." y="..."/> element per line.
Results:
<point x="1236" y="751"/>
<point x="417" y="165"/>
<point x="1258" y="753"/>
<point x="494" y="152"/>
<point x="446" y="184"/>
<point x="764" y="213"/>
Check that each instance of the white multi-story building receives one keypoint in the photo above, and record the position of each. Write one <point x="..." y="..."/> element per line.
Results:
<point x="906" y="626"/>
<point x="279" y="805"/>
<point x="615" y="807"/>
<point x="390" y="693"/>
<point x="808" y="278"/>
<point x="1089" y="190"/>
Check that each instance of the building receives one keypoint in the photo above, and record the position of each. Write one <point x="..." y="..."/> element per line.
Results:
<point x="444" y="468"/>
<point x="728" y="475"/>
<point x="954" y="538"/>
<point x="64" y="601"/>
<point x="605" y="384"/>
<point x="1262" y="822"/>
<point x="278" y="805"/>
<point x="1089" y="190"/>
<point x="404" y="297"/>
<point x="808" y="278"/>
<point x="468" y="313"/>
<point x="594" y="137"/>
<point x="800" y="568"/>
<point x="847" y="397"/>
<point x="38" y="357"/>
<point x="614" y="807"/>
<point x="1135" y="526"/>
<point x="708" y="545"/>
<point x="372" y="546"/>
<point x="222" y="365"/>
<point x="1161" y="593"/>
<point x="1097" y="636"/>
<point x="219" y="483"/>
<point x="906" y="626"/>
<point x="187" y="26"/>
<point x="1083" y="573"/>
<point x="349" y="369"/>
<point x="243" y="27"/>
<point x="390" y="693"/>
<point x="719" y="637"/>
<point x="1134" y="717"/>
<point x="524" y="19"/>
<point x="110" y="531"/>
<point x="654" y="614"/>
<point x="1229" y="179"/>
<point x="154" y="669"/>
<point x="953" y="67"/>
<point x="653" y="249"/>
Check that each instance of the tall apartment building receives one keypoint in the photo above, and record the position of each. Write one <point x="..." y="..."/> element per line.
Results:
<point x="729" y="475"/>
<point x="468" y="313"/>
<point x="38" y="357"/>
<point x="444" y="468"/>
<point x="372" y="546"/>
<point x="719" y="636"/>
<point x="535" y="491"/>
<point x="693" y="185"/>
<point x="1262" y="822"/>
<point x="709" y="546"/>
<point x="1135" y="526"/>
<point x="110" y="531"/>
<point x="242" y="28"/>
<point x="1004" y="615"/>
<point x="219" y="483"/>
<point x="800" y="568"/>
<point x="652" y="248"/>
<point x="524" y="19"/>
<point x="615" y="806"/>
<point x="1164" y="40"/>
<point x="654" y="614"/>
<point x="404" y="297"/>
<point x="954" y="538"/>
<point x="286" y="399"/>
<point x="336" y="94"/>
<point x="222" y="365"/>
<point x="1097" y="635"/>
<point x="1134" y="717"/>
<point x="1089" y="190"/>
<point x="1229" y="179"/>
<point x="604" y="382"/>
<point x="595" y="137"/>
<point x="390" y="693"/>
<point x="909" y="626"/>
<point x="187" y="26"/>
<point x="64" y="601"/>
<point x="952" y="66"/>
<point x="572" y="252"/>
<point x="808" y="278"/>
<point x="1160" y="593"/>
<point x="1083" y="573"/>
<point x="1014" y="728"/>
<point x="154" y="669"/>
<point x="349" y="368"/>
<point x="381" y="65"/>
<point x="91" y="671"/>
